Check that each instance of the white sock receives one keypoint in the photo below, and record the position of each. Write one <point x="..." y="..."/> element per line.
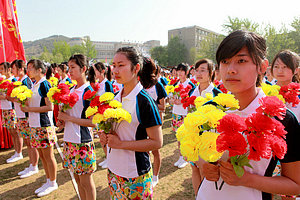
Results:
<point x="18" y="154"/>
<point x="33" y="168"/>
<point x="52" y="183"/>
<point x="30" y="166"/>
<point x="155" y="178"/>
<point x="48" y="180"/>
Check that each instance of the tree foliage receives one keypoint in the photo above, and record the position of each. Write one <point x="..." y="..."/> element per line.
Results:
<point x="160" y="54"/>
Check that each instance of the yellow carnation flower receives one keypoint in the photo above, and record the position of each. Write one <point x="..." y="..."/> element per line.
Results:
<point x="209" y="96"/>
<point x="194" y="120"/>
<point x="227" y="101"/>
<point x="17" y="83"/>
<point x="206" y="108"/>
<point x="208" y="148"/>
<point x="91" y="111"/>
<point x="188" y="149"/>
<point x="115" y="104"/>
<point x="214" y="116"/>
<point x="21" y="96"/>
<point x="98" y="118"/>
<point x="107" y="96"/>
<point x="53" y="81"/>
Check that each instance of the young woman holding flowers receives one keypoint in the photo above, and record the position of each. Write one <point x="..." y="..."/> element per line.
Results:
<point x="9" y="115"/>
<point x="285" y="68"/>
<point x="241" y="56"/>
<point x="42" y="131"/>
<point x="179" y="112"/>
<point x="203" y="75"/>
<point x="23" y="129"/>
<point x="157" y="91"/>
<point x="79" y="153"/>
<point x="129" y="167"/>
<point x="63" y="70"/>
<point x="97" y="76"/>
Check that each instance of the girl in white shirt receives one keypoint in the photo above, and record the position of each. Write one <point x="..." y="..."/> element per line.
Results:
<point x="79" y="149"/>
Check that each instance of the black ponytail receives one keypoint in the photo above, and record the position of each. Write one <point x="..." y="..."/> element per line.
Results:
<point x="148" y="74"/>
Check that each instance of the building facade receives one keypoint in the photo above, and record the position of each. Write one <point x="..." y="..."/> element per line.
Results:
<point x="191" y="36"/>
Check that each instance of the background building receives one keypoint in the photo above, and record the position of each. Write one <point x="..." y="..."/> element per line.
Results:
<point x="190" y="36"/>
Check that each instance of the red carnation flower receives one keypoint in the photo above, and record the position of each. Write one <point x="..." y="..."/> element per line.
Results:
<point x="73" y="99"/>
<point x="188" y="88"/>
<point x="194" y="81"/>
<point x="95" y="101"/>
<point x="217" y="83"/>
<point x="222" y="88"/>
<point x="290" y="93"/>
<point x="278" y="145"/>
<point x="64" y="89"/>
<point x="271" y="106"/>
<point x="10" y="89"/>
<point x="235" y="143"/>
<point x="103" y="107"/>
<point x="259" y="123"/>
<point x="183" y="95"/>
<point x="64" y="99"/>
<point x="231" y="123"/>
<point x="89" y="95"/>
<point x="5" y="85"/>
<point x="259" y="147"/>
<point x="95" y="86"/>
<point x="116" y="88"/>
<point x="191" y="100"/>
<point x="279" y="129"/>
<point x="173" y="81"/>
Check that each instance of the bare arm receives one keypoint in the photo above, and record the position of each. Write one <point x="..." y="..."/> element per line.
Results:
<point x="48" y="107"/>
<point x="81" y="122"/>
<point x="162" y="104"/>
<point x="288" y="183"/>
<point x="154" y="141"/>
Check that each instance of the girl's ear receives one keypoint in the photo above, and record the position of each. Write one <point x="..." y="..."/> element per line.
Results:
<point x="137" y="68"/>
<point x="264" y="66"/>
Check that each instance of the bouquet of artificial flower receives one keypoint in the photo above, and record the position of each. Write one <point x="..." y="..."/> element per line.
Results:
<point x="107" y="113"/>
<point x="53" y="81"/>
<point x="291" y="93"/>
<point x="21" y="92"/>
<point x="62" y="96"/>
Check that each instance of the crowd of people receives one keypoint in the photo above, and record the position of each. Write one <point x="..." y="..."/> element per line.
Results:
<point x="139" y="84"/>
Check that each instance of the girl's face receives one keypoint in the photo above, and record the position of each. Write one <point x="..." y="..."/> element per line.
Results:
<point x="192" y="72"/>
<point x="14" y="71"/>
<point x="239" y="73"/>
<point x="122" y="69"/>
<point x="2" y="70"/>
<point x="32" y="72"/>
<point x="59" y="71"/>
<point x="181" y="74"/>
<point x="174" y="73"/>
<point x="98" y="74"/>
<point x="75" y="71"/>
<point x="202" y="73"/>
<point x="281" y="72"/>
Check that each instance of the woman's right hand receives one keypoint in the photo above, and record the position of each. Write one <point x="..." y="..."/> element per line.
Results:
<point x="171" y="100"/>
<point x="177" y="102"/>
<point x="103" y="138"/>
<point x="210" y="171"/>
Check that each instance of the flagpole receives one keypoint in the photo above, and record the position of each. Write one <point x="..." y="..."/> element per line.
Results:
<point x="2" y="40"/>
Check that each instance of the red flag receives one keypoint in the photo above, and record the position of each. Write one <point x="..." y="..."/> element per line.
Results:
<point x="11" y="45"/>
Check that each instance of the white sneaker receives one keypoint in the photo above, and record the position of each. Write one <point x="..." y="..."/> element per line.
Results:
<point x="48" y="190"/>
<point x="154" y="180"/>
<point x="177" y="162"/>
<point x="182" y="164"/>
<point x="40" y="189"/>
<point x="24" y="171"/>
<point x="102" y="163"/>
<point x="30" y="173"/>
<point x="15" y="158"/>
<point x="62" y="144"/>
<point x="96" y="136"/>
<point x="104" y="166"/>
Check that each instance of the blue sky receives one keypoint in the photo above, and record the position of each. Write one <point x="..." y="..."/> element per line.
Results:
<point x="141" y="20"/>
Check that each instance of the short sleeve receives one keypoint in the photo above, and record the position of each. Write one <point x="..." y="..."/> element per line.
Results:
<point x="292" y="127"/>
<point x="86" y="103"/>
<point x="27" y="82"/>
<point x="193" y="88"/>
<point x="44" y="88"/>
<point x="109" y="87"/>
<point x="160" y="90"/>
<point x="147" y="110"/>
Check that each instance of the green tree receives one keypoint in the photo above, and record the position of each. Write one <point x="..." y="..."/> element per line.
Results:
<point x="77" y="49"/>
<point x="192" y="55"/>
<point x="235" y="23"/>
<point x="177" y="52"/>
<point x="160" y="54"/>
<point x="61" y="47"/>
<point x="89" y="47"/>
<point x="295" y="33"/>
<point x="209" y="46"/>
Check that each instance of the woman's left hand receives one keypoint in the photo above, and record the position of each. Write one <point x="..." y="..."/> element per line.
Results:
<point x="113" y="141"/>
<point x="63" y="116"/>
<point x="24" y="108"/>
<point x="229" y="176"/>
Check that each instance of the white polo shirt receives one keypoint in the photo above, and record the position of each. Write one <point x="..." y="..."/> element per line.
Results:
<point x="295" y="109"/>
<point x="40" y="90"/>
<point x="105" y="86"/>
<point x="210" y="89"/>
<point x="178" y="109"/>
<point x="144" y="113"/>
<point x="27" y="82"/>
<point x="264" y="167"/>
<point x="5" y="104"/>
<point x="157" y="92"/>
<point x="65" y="80"/>
<point x="73" y="132"/>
